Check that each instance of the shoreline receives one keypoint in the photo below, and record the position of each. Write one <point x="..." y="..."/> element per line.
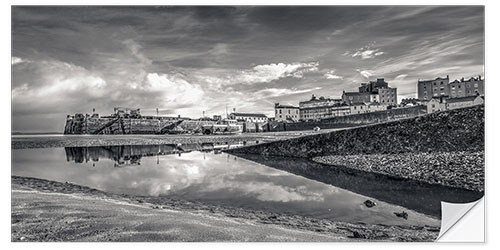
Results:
<point x="51" y="141"/>
<point x="319" y="227"/>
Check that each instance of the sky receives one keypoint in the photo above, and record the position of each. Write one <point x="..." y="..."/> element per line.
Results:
<point x="184" y="60"/>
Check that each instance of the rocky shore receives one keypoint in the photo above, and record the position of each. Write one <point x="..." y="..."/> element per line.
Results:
<point x="45" y="229"/>
<point x="461" y="169"/>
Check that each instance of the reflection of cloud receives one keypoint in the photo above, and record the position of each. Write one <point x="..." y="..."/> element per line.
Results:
<point x="16" y="60"/>
<point x="191" y="176"/>
<point x="285" y="194"/>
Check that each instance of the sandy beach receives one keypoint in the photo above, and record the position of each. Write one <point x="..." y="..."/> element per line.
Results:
<point x="52" y="211"/>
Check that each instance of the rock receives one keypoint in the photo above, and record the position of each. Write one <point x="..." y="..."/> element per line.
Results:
<point x="22" y="238"/>
<point x="358" y="235"/>
<point x="403" y="215"/>
<point x="369" y="203"/>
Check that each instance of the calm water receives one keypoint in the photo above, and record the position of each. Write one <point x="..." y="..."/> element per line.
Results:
<point x="210" y="177"/>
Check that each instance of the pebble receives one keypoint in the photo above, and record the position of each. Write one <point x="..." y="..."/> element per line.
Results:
<point x="461" y="169"/>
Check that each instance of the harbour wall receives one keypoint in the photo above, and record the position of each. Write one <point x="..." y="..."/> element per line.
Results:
<point x="120" y="126"/>
<point x="447" y="131"/>
<point x="350" y="120"/>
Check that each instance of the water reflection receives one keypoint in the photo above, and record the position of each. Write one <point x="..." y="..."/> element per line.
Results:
<point x="124" y="155"/>
<point x="416" y="195"/>
<point x="209" y="177"/>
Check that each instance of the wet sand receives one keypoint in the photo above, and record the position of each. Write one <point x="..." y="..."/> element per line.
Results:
<point x="45" y="210"/>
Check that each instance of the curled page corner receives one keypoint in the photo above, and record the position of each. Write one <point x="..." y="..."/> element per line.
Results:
<point x="453" y="214"/>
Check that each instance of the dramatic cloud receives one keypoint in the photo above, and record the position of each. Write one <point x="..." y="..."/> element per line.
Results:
<point x="185" y="60"/>
<point x="365" y="73"/>
<point x="331" y="75"/>
<point x="176" y="91"/>
<point x="367" y="53"/>
<point x="274" y="71"/>
<point x="401" y="77"/>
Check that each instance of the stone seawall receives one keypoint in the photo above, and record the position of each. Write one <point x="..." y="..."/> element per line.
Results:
<point x="351" y="120"/>
<point x="114" y="126"/>
<point x="454" y="130"/>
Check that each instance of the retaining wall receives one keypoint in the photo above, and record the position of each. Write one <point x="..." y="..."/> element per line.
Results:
<point x="453" y="130"/>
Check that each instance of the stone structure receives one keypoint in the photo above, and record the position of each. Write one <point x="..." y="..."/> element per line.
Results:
<point x="350" y="120"/>
<point x="442" y="103"/>
<point x="436" y="104"/>
<point x="248" y="117"/>
<point x="428" y="89"/>
<point x="361" y="108"/>
<point x="373" y="92"/>
<point x="130" y="121"/>
<point x="462" y="102"/>
<point x="286" y="112"/>
<point x="450" y="131"/>
<point x="322" y="108"/>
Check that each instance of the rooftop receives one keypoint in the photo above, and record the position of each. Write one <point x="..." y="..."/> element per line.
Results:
<point x="249" y="114"/>
<point x="462" y="99"/>
<point x="285" y="106"/>
<point x="356" y="93"/>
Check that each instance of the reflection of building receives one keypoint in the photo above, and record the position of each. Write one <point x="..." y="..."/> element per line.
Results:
<point x="125" y="155"/>
<point x="322" y="108"/>
<point x="248" y="117"/>
<point x="438" y="87"/>
<point x="373" y="92"/>
<point x="286" y="112"/>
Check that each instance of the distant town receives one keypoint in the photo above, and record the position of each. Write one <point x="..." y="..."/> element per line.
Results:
<point x="374" y="101"/>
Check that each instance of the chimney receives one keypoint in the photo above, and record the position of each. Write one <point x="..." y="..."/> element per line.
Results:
<point x="447" y="77"/>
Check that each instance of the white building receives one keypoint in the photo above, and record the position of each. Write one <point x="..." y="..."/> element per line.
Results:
<point x="249" y="117"/>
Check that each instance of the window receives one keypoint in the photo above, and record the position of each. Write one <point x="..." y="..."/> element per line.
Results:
<point x="475" y="85"/>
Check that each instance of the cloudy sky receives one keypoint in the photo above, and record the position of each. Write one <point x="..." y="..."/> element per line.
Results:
<point x="186" y="60"/>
